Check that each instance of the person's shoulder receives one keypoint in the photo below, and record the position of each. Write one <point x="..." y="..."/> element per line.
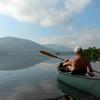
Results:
<point x="75" y="59"/>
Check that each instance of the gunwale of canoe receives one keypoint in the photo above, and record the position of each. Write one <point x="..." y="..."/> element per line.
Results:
<point x="80" y="76"/>
<point x="85" y="83"/>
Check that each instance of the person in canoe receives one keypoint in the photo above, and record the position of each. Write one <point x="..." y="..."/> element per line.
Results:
<point x="79" y="65"/>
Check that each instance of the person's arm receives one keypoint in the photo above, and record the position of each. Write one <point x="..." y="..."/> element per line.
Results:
<point x="66" y="60"/>
<point x="67" y="63"/>
<point x="90" y="68"/>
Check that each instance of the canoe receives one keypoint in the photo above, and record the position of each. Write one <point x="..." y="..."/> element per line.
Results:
<point x="84" y="83"/>
<point x="75" y="93"/>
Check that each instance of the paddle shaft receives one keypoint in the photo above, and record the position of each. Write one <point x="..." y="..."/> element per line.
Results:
<point x="96" y="71"/>
<point x="52" y="55"/>
<point x="60" y="58"/>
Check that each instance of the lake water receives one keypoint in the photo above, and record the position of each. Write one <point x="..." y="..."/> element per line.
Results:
<point x="38" y="82"/>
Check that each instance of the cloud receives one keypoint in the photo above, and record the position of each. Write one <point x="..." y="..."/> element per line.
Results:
<point x="42" y="12"/>
<point x="85" y="38"/>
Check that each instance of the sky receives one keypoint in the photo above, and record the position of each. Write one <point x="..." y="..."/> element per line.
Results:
<point x="66" y="22"/>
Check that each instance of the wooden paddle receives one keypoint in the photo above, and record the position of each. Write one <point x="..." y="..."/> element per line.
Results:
<point x="96" y="71"/>
<point x="52" y="55"/>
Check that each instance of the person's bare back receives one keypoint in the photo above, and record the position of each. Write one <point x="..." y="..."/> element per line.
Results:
<point x="79" y="64"/>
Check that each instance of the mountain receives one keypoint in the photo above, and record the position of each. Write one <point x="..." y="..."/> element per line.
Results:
<point x="16" y="53"/>
<point x="58" y="47"/>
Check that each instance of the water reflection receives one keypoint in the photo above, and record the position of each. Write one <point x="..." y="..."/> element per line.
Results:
<point x="37" y="83"/>
<point x="76" y="94"/>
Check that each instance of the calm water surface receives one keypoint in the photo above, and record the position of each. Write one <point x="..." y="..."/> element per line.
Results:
<point x="38" y="82"/>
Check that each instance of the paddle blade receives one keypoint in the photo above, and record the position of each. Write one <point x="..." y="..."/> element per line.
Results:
<point x="48" y="54"/>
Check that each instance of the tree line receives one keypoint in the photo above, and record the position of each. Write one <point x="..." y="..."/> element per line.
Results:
<point x="92" y="53"/>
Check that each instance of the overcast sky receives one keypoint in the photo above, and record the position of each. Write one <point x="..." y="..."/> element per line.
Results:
<point x="65" y="22"/>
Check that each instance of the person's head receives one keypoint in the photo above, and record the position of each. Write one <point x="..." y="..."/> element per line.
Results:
<point x="78" y="50"/>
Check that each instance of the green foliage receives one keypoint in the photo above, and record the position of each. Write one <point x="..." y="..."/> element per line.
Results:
<point x="92" y="53"/>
